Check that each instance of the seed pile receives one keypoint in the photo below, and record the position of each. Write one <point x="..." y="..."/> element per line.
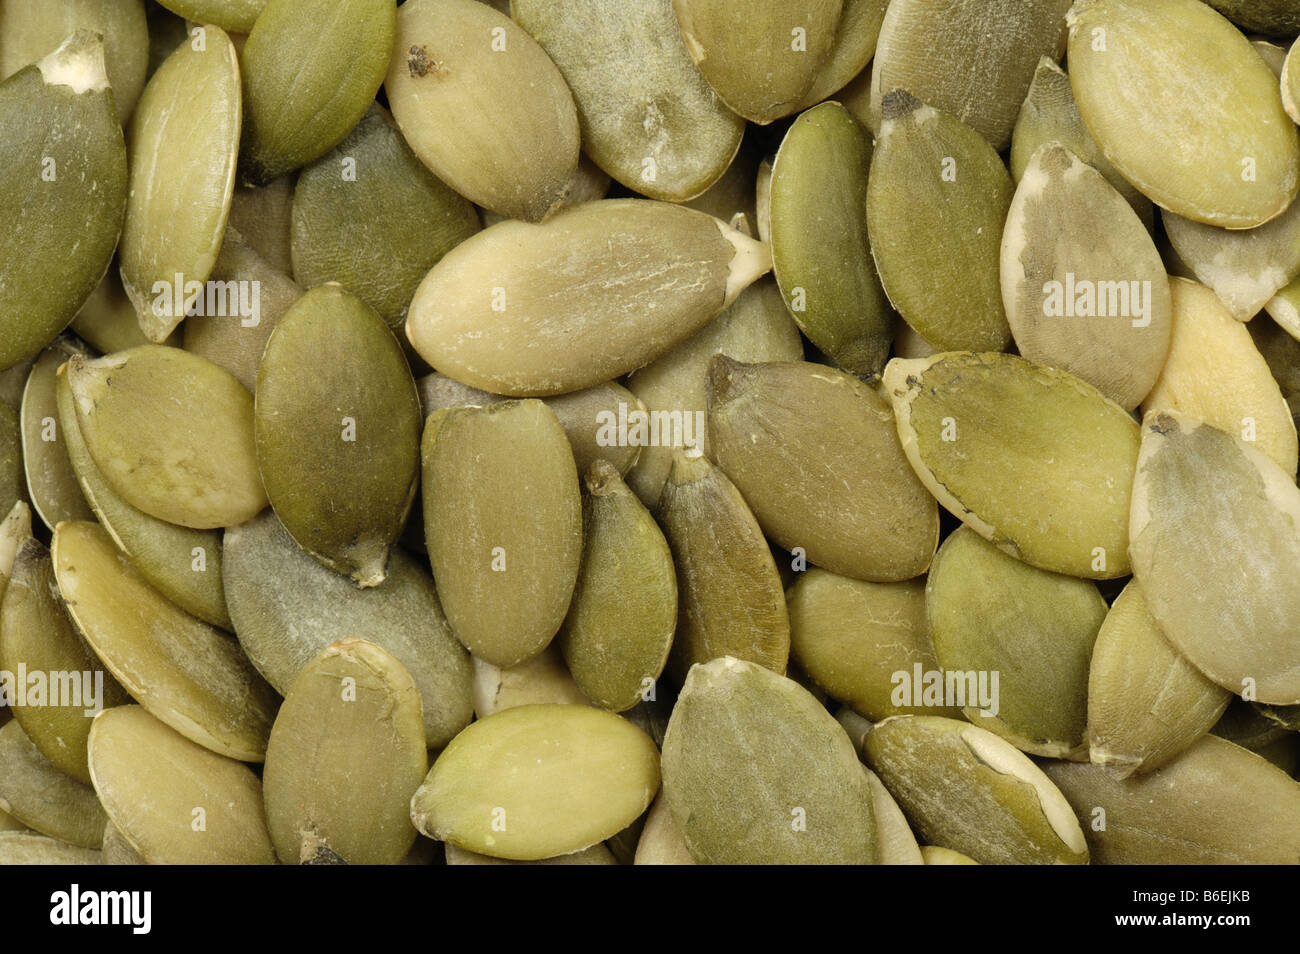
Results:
<point x="649" y="431"/>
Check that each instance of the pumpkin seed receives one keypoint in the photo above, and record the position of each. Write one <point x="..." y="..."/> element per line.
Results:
<point x="29" y="848"/>
<point x="12" y="482"/>
<point x="1243" y="724"/>
<point x="1284" y="308"/>
<point x="968" y="420"/>
<point x="897" y="843"/>
<point x="176" y="802"/>
<point x="51" y="481"/>
<point x="537" y="681"/>
<point x="934" y="855"/>
<point x="535" y="782"/>
<point x="855" y="44"/>
<point x="735" y="191"/>
<point x="1286" y="716"/>
<point x="461" y="65"/>
<point x="107" y="321"/>
<point x="36" y="793"/>
<point x="63" y="198"/>
<point x="1136" y="64"/>
<point x="184" y="143"/>
<point x="661" y="841"/>
<point x="10" y="824"/>
<point x="15" y="530"/>
<point x="263" y="217"/>
<point x="527" y="310"/>
<point x="966" y="789"/>
<point x="595" y="855"/>
<point x="117" y="850"/>
<point x="166" y="32"/>
<point x="237" y="16"/>
<point x="1082" y="283"/>
<point x="1274" y="17"/>
<point x="937" y="197"/>
<point x="12" y="381"/>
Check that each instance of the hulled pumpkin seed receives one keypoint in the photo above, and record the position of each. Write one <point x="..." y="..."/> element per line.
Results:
<point x="263" y="217"/>
<point x="63" y="198"/>
<point x="541" y="680"/>
<point x="1215" y="144"/>
<point x="117" y="850"/>
<point x="107" y="321"/>
<point x="967" y="421"/>
<point x="190" y="675"/>
<point x="287" y="608"/>
<point x="539" y="781"/>
<point x="620" y="625"/>
<point x="937" y="197"/>
<point x="855" y="44"/>
<point x="43" y="798"/>
<point x="29" y="848"/>
<point x="503" y="522"/>
<point x="176" y="802"/>
<point x="1229" y="602"/>
<point x="806" y="801"/>
<point x="1290" y="80"/>
<point x="819" y="187"/>
<point x="461" y="65"/>
<point x="661" y="841"/>
<point x="1214" y="804"/>
<point x="346" y="753"/>
<point x="647" y="116"/>
<point x="729" y="597"/>
<point x="595" y="855"/>
<point x="1082" y="283"/>
<point x="1146" y="703"/>
<point x="966" y="789"/>
<point x="184" y="143"/>
<point x="934" y="855"/>
<point x="51" y="481"/>
<point x="1215" y="374"/>
<point x="15" y="530"/>
<point x="815" y="454"/>
<point x="14" y="378"/>
<point x="526" y="310"/>
<point x="896" y="843"/>
<point x="237" y="16"/>
<point x="1284" y="308"/>
<point x="12" y="481"/>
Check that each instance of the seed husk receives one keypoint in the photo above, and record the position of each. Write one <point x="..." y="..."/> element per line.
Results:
<point x="934" y="855"/>
<point x="621" y="621"/>
<point x="855" y="44"/>
<point x="595" y="855"/>
<point x="182" y="564"/>
<point x="966" y="789"/>
<point x="991" y="613"/>
<point x="29" y="848"/>
<point x="1215" y="145"/>
<point x="969" y="59"/>
<point x="189" y="674"/>
<point x="541" y="680"/>
<point x="661" y="841"/>
<point x="184" y="143"/>
<point x="12" y="481"/>
<point x="539" y="781"/>
<point x="346" y="753"/>
<point x="284" y="626"/>
<point x="937" y="197"/>
<point x="263" y="217"/>
<point x="729" y="594"/>
<point x="1146" y="703"/>
<point x="62" y="201"/>
<point x="897" y="844"/>
<point x="459" y="64"/>
<point x="107" y="321"/>
<point x="503" y="524"/>
<point x="805" y="801"/>
<point x="36" y="793"/>
<point x="51" y="481"/>
<point x="1214" y="804"/>
<point x="15" y="530"/>
<point x="1069" y="229"/>
<point x="527" y="310"/>
<point x="1072" y="451"/>
<point x="117" y="850"/>
<point x="647" y="116"/>
<point x="1215" y="374"/>
<point x="1229" y="602"/>
<point x="237" y="16"/>
<point x="819" y="187"/>
<point x="815" y="454"/>
<point x="156" y="784"/>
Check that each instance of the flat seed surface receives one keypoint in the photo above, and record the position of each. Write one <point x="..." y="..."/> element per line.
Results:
<point x="29" y="848"/>
<point x="43" y="798"/>
<point x="235" y="15"/>
<point x="51" y="481"/>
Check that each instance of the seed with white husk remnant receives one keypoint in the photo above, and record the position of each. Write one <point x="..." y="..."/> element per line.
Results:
<point x="541" y="680"/>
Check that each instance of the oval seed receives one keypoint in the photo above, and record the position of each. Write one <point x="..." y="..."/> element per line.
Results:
<point x="43" y="798"/>
<point x="539" y="781"/>
<point x="176" y="802"/>
<point x="537" y="681"/>
<point x="855" y="44"/>
<point x="29" y="848"/>
<point x="526" y="309"/>
<point x="51" y="481"/>
<point x="187" y="673"/>
<point x="897" y="844"/>
<point x="237" y="16"/>
<point x="1215" y="144"/>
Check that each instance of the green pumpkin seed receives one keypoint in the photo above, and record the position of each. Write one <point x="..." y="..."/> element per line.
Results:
<point x="1215" y="146"/>
<point x="967" y="421"/>
<point x="182" y="564"/>
<point x="503" y="521"/>
<point x="184" y="141"/>
<point x="937" y="197"/>
<point x="807" y="801"/>
<point x="346" y="753"/>
<point x="969" y="59"/>
<point x="117" y="850"/>
<point x="15" y="530"/>
<point x="966" y="789"/>
<point x="1146" y="703"/>
<point x="461" y="65"/>
<point x="661" y="841"/>
<point x="36" y="793"/>
<point x="991" y="614"/>
<point x="819" y="186"/>
<point x="107" y="321"/>
<point x="263" y="217"/>
<point x="12" y="381"/>
<point x="761" y="60"/>
<point x="1229" y="602"/>
<point x="63" y="198"/>
<point x="1215" y="374"/>
<point x="620" y="625"/>
<point x="729" y="597"/>
<point x="1082" y="283"/>
<point x="237" y="16"/>
<point x="287" y="608"/>
<point x="1243" y="724"/>
<point x="595" y="855"/>
<point x="897" y="844"/>
<point x="527" y="310"/>
<point x="815" y="454"/>
<point x="855" y="44"/>
<point x="187" y="673"/>
<point x="934" y="855"/>
<point x="541" y="680"/>
<point x="29" y="848"/>
<point x="735" y="191"/>
<point x="1214" y="804"/>
<point x="1274" y="17"/>
<point x="12" y="481"/>
<point x="647" y="116"/>
<point x="51" y="481"/>
<point x="176" y="802"/>
<point x="535" y="782"/>
<point x="1284" y="308"/>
